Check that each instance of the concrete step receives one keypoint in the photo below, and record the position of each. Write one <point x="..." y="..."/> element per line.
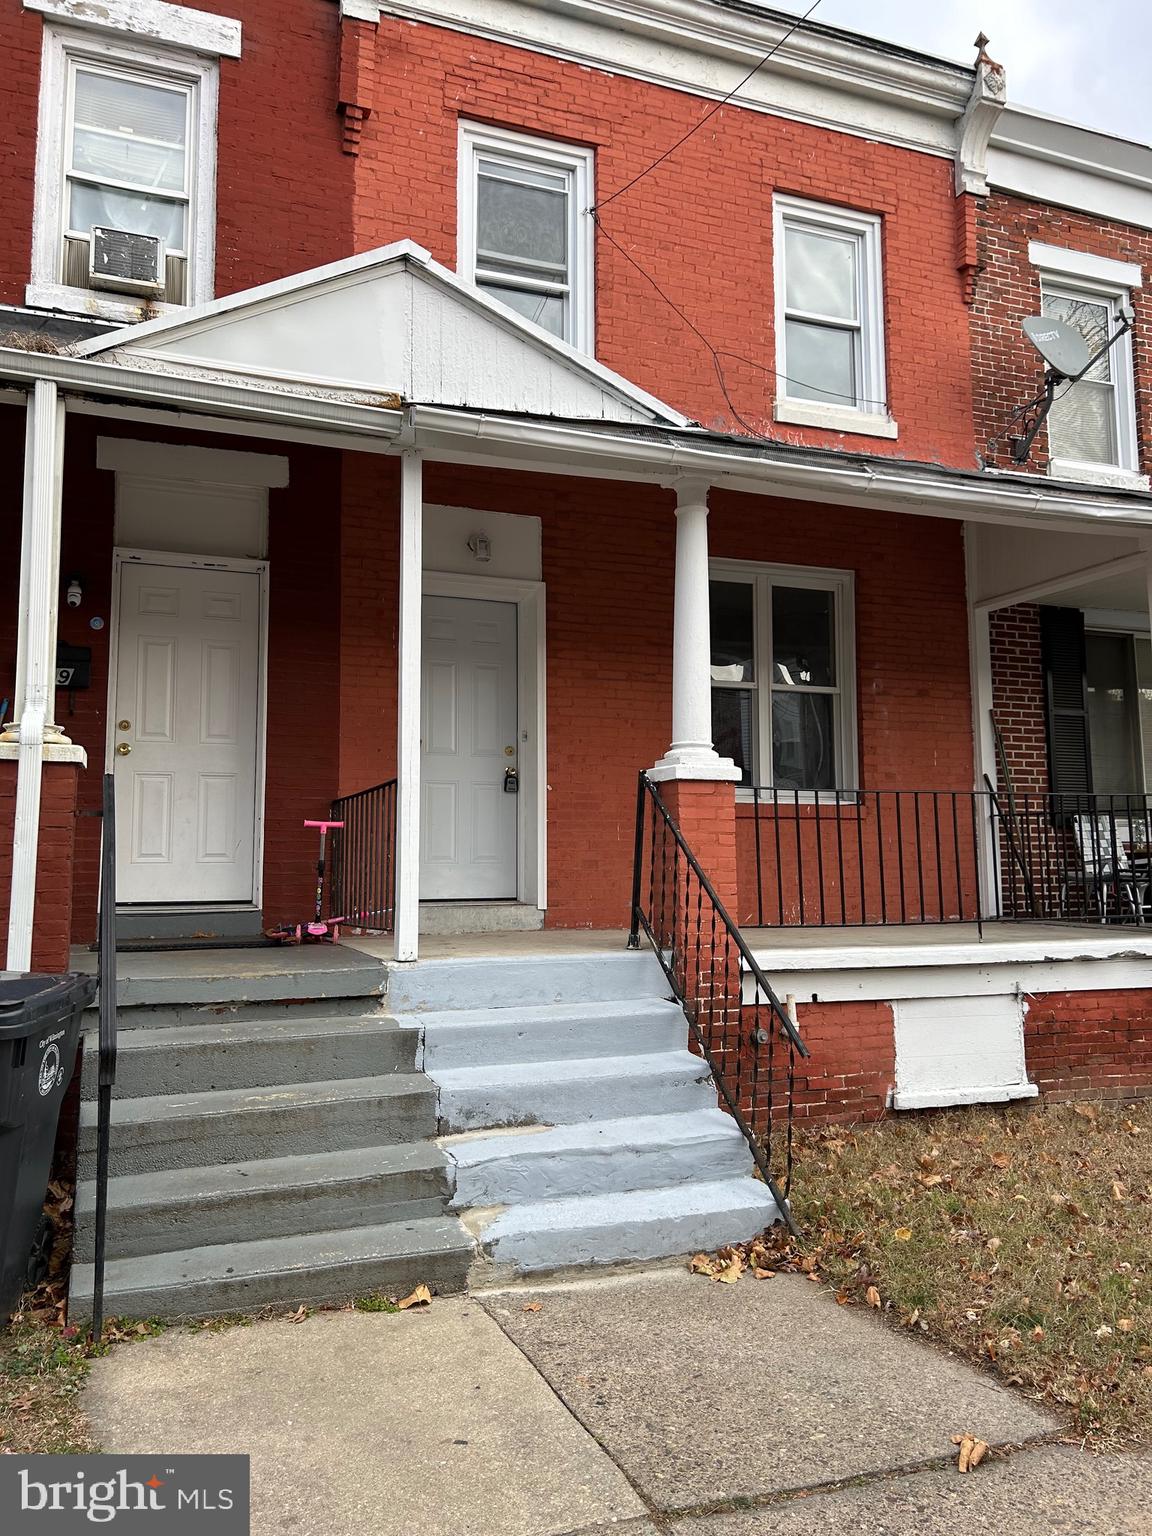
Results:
<point x="499" y="981"/>
<point x="564" y="1092"/>
<point x="615" y="1228"/>
<point x="283" y="974"/>
<point x="283" y="1271"/>
<point x="189" y="1015"/>
<point x="242" y="1124"/>
<point x="476" y="1037"/>
<point x="605" y="1156"/>
<point x="288" y="1048"/>
<point x="457" y="917"/>
<point x="275" y="1197"/>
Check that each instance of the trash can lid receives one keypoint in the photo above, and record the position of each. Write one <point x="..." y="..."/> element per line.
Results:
<point x="22" y="994"/>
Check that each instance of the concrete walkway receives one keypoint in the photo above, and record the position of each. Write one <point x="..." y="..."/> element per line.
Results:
<point x="653" y="1403"/>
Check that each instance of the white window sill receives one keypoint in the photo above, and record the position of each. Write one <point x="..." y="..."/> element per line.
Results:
<point x="787" y="799"/>
<point x="835" y="418"/>
<point x="1098" y="474"/>
<point x="95" y="306"/>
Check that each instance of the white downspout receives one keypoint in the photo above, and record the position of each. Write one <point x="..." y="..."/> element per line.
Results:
<point x="407" y="916"/>
<point x="36" y="651"/>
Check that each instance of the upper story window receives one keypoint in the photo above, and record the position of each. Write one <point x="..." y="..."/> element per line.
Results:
<point x="783" y="675"/>
<point x="1093" y="420"/>
<point x="124" y="177"/>
<point x="525" y="233"/>
<point x="1092" y="424"/>
<point x="829" y="318"/>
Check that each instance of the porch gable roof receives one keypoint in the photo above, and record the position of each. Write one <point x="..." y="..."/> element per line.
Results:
<point x="389" y="323"/>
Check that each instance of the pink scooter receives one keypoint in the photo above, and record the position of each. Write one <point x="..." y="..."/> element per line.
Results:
<point x="320" y="930"/>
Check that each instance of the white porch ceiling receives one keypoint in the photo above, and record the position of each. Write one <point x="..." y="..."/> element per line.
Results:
<point x="390" y="326"/>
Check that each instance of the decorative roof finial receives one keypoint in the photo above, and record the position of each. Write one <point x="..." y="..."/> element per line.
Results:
<point x="981" y="46"/>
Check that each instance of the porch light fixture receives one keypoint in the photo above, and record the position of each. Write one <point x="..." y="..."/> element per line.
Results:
<point x="481" y="546"/>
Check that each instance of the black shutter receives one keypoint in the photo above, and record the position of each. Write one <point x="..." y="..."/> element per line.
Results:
<point x="1064" y="659"/>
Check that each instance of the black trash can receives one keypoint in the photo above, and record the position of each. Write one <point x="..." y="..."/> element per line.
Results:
<point x="39" y="1028"/>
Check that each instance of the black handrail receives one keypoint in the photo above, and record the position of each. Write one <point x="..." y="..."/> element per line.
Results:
<point x="362" y="883"/>
<point x="705" y="958"/>
<point x="106" y="1064"/>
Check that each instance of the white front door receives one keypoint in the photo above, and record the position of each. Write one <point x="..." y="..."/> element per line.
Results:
<point x="468" y="743"/>
<point x="185" y="733"/>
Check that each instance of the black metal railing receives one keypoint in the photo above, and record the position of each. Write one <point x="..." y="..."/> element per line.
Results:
<point x="862" y="858"/>
<point x="1073" y="858"/>
<point x="362" y="882"/>
<point x="106" y="1061"/>
<point x="741" y="1027"/>
<point x="869" y="858"/>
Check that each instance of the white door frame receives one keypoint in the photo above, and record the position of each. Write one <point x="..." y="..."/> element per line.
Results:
<point x="122" y="557"/>
<point x="531" y="721"/>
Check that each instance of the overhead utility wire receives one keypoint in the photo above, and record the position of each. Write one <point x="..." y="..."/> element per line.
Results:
<point x="716" y="353"/>
<point x="711" y="113"/>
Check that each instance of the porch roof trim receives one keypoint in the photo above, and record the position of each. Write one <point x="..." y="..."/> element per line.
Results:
<point x="392" y="322"/>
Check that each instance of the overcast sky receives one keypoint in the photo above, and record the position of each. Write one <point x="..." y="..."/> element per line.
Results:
<point x="1089" y="62"/>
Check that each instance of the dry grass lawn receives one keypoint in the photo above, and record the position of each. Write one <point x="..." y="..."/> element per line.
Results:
<point x="1020" y="1237"/>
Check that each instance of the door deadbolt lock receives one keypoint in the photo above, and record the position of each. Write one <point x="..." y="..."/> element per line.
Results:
<point x="511" y="782"/>
<point x="123" y="725"/>
<point x="123" y="749"/>
<point x="509" y="751"/>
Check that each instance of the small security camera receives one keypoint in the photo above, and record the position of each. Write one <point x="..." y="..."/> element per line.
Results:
<point x="74" y="592"/>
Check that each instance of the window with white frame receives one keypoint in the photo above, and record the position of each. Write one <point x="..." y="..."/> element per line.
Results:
<point x="829" y="310"/>
<point x="783" y="674"/>
<point x="127" y="145"/>
<point x="525" y="232"/>
<point x="1092" y="422"/>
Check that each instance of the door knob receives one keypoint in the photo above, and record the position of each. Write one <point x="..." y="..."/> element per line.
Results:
<point x="123" y="749"/>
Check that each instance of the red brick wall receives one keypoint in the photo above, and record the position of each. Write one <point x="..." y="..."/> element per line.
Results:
<point x="849" y="1071"/>
<point x="283" y="184"/>
<point x="713" y="255"/>
<point x="1090" y="1045"/>
<point x="1018" y="694"/>
<point x="1006" y="367"/>
<point x="51" y="926"/>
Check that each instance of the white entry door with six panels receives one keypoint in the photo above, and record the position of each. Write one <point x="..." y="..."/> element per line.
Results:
<point x="469" y="750"/>
<point x="185" y="733"/>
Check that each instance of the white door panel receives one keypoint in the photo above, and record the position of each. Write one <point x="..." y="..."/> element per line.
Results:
<point x="187" y="697"/>
<point x="468" y="725"/>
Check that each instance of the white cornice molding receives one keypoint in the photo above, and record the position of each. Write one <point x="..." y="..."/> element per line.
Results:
<point x="176" y="26"/>
<point x="829" y="79"/>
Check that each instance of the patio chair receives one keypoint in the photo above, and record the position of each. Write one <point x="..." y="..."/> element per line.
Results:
<point x="1105" y="870"/>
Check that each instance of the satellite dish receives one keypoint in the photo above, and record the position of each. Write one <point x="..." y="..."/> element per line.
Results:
<point x="1060" y="345"/>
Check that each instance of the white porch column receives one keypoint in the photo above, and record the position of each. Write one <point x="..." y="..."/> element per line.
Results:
<point x="407" y="915"/>
<point x="691" y="754"/>
<point x="35" y="651"/>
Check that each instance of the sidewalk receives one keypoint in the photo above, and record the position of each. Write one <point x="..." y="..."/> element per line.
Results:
<point x="658" y="1402"/>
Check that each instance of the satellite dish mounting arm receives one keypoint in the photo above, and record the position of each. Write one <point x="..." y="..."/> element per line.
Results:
<point x="1035" y="414"/>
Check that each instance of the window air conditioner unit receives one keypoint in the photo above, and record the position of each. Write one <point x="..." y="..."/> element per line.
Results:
<point x="126" y="262"/>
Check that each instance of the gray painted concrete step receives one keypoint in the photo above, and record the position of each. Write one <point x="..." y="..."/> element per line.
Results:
<point x="474" y="1037"/>
<point x="508" y="982"/>
<point x="241" y="1124"/>
<point x="563" y="1092"/>
<point x="289" y="1048"/>
<point x="613" y="1228"/>
<point x="608" y="1156"/>
<point x="285" y="1271"/>
<point x="272" y="1197"/>
<point x="243" y="975"/>
<point x="187" y="1015"/>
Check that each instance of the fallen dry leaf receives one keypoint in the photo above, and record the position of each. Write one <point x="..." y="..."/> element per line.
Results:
<point x="293" y="1317"/>
<point x="731" y="1271"/>
<point x="972" y="1451"/>
<point x="420" y="1297"/>
<point x="902" y="1234"/>
<point x="872" y="1296"/>
<point x="532" y="1306"/>
<point x="1124" y="1324"/>
<point x="930" y="1180"/>
<point x="701" y="1264"/>
<point x="1085" y="1111"/>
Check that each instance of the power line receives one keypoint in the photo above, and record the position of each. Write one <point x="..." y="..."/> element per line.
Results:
<point x="709" y="115"/>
